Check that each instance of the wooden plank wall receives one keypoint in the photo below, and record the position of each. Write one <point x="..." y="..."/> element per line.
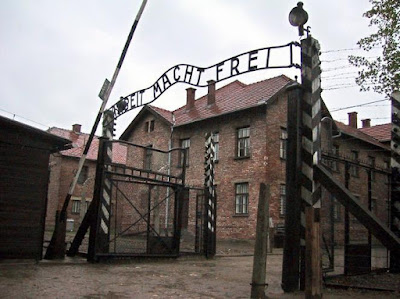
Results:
<point x="23" y="195"/>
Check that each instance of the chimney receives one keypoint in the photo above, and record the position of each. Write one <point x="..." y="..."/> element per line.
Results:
<point x="190" y="94"/>
<point x="353" y="119"/>
<point x="76" y="128"/>
<point x="211" y="92"/>
<point x="366" y="123"/>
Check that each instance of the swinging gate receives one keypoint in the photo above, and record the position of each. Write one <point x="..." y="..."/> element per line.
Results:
<point x="150" y="213"/>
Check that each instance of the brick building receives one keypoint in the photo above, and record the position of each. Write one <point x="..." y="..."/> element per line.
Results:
<point x="63" y="166"/>
<point x="249" y="127"/>
<point x="365" y="149"/>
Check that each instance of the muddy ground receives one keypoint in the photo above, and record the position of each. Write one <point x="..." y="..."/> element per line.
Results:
<point x="226" y="276"/>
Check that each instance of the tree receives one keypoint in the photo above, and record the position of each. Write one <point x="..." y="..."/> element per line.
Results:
<point x="383" y="72"/>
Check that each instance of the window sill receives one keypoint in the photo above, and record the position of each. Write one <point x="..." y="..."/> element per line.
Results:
<point x="242" y="158"/>
<point x="241" y="215"/>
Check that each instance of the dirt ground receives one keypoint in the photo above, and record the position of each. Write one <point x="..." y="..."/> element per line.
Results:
<point x="226" y="276"/>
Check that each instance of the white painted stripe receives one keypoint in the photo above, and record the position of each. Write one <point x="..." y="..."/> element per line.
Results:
<point x="106" y="197"/>
<point x="307" y="145"/>
<point x="315" y="84"/>
<point x="105" y="212"/>
<point x="316" y="108"/>
<point x="107" y="183"/>
<point x="315" y="133"/>
<point x="109" y="153"/>
<point x="307" y="120"/>
<point x="394" y="163"/>
<point x="104" y="226"/>
<point x="307" y="171"/>
<point x="302" y="242"/>
<point x="317" y="204"/>
<point x="316" y="158"/>
<point x="306" y="195"/>
<point x="303" y="219"/>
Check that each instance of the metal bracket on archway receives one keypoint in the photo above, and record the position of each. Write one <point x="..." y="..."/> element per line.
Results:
<point x="254" y="60"/>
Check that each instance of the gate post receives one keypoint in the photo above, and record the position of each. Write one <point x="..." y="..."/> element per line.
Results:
<point x="102" y="219"/>
<point x="310" y="154"/>
<point x="291" y="250"/>
<point x="210" y="199"/>
<point x="395" y="181"/>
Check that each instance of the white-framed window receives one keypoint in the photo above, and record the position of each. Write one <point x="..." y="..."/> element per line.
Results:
<point x="242" y="198"/>
<point x="354" y="168"/>
<point x="371" y="161"/>
<point x="283" y="144"/>
<point x="243" y="142"/>
<point x="185" y="144"/>
<point x="282" y="195"/>
<point x="148" y="157"/>
<point x="216" y="145"/>
<point x="76" y="205"/>
<point x="335" y="152"/>
<point x="149" y="126"/>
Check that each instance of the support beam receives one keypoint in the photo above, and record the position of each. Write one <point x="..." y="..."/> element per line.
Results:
<point x="363" y="215"/>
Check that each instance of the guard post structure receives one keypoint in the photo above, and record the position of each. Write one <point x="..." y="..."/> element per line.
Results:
<point x="210" y="199"/>
<point x="310" y="157"/>
<point x="395" y="182"/>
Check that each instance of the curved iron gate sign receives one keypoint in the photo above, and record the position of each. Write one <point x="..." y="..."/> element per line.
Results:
<point x="250" y="61"/>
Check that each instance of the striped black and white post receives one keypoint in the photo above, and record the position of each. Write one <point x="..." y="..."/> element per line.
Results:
<point x="210" y="199"/>
<point x="395" y="165"/>
<point x="104" y="212"/>
<point x="311" y="132"/>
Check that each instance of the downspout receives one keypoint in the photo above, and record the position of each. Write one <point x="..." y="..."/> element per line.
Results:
<point x="169" y="172"/>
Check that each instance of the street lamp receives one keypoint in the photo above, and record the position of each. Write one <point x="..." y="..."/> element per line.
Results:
<point x="298" y="17"/>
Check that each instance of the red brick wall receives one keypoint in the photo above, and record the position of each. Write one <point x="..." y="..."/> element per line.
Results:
<point x="359" y="187"/>
<point x="62" y="171"/>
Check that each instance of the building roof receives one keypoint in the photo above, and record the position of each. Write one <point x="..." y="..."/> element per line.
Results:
<point x="79" y="141"/>
<point x="357" y="133"/>
<point x="17" y="133"/>
<point x="383" y="133"/>
<point x="230" y="98"/>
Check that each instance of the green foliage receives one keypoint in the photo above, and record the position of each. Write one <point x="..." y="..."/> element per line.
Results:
<point x="382" y="73"/>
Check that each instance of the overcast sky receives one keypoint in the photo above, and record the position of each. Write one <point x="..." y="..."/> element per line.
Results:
<point x="55" y="55"/>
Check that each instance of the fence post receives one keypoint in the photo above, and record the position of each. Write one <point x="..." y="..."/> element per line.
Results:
<point x="210" y="199"/>
<point x="311" y="142"/>
<point x="395" y="186"/>
<point x="258" y="283"/>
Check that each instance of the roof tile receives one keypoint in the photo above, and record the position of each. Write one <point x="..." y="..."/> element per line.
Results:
<point x="79" y="142"/>
<point x="230" y="98"/>
<point x="381" y="132"/>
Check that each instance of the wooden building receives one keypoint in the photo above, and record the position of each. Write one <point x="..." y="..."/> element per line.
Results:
<point x="24" y="166"/>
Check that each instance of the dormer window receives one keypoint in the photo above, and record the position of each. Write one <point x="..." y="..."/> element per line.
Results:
<point x="149" y="126"/>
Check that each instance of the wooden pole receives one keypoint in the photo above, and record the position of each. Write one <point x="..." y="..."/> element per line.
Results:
<point x="260" y="249"/>
<point x="313" y="254"/>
